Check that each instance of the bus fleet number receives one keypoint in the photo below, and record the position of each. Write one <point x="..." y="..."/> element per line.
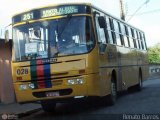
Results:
<point x="22" y="71"/>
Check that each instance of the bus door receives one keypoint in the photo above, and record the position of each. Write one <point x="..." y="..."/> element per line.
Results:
<point x="102" y="53"/>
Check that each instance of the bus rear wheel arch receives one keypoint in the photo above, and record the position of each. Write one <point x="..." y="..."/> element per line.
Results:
<point x="139" y="85"/>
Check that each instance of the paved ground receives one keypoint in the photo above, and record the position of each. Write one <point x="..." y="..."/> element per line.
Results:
<point x="136" y="104"/>
<point x="15" y="110"/>
<point x="18" y="109"/>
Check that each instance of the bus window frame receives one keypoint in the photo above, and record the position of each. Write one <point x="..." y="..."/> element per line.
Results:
<point x="141" y="40"/>
<point x="133" y="37"/>
<point x="109" y="31"/>
<point x="123" y="32"/>
<point x="130" y="37"/>
<point x="136" y="39"/>
<point x="112" y="30"/>
<point x="144" y="40"/>
<point x="120" y="34"/>
<point x="117" y="33"/>
<point x="127" y="34"/>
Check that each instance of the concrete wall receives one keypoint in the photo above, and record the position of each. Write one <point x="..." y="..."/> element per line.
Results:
<point x="154" y="69"/>
<point x="6" y="87"/>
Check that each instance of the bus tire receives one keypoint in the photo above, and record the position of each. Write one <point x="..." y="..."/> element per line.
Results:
<point x="137" y="87"/>
<point x="140" y="84"/>
<point x="48" y="105"/>
<point x="113" y="96"/>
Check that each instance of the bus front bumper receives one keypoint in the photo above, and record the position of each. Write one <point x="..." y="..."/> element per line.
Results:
<point x="73" y="87"/>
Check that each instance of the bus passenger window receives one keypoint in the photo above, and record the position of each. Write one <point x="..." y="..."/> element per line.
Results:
<point x="133" y="37"/>
<point x="120" y="33"/>
<point x="116" y="30"/>
<point x="139" y="45"/>
<point x="130" y="38"/>
<point x="126" y="40"/>
<point x="110" y="39"/>
<point x="112" y="30"/>
<point x="141" y="40"/>
<point x="144" y="42"/>
<point x="123" y="32"/>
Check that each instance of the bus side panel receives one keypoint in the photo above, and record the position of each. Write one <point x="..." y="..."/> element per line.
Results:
<point x="134" y="73"/>
<point x="145" y="67"/>
<point x="108" y="63"/>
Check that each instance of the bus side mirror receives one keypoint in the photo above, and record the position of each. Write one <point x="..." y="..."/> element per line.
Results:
<point x="6" y="36"/>
<point x="102" y="22"/>
<point x="102" y="48"/>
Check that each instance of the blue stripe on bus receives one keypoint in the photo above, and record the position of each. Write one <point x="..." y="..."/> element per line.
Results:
<point x="33" y="73"/>
<point x="47" y="74"/>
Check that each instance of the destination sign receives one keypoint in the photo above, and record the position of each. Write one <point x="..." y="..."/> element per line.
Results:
<point x="51" y="11"/>
<point x="59" y="11"/>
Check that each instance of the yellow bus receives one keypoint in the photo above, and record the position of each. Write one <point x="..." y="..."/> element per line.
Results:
<point x="71" y="51"/>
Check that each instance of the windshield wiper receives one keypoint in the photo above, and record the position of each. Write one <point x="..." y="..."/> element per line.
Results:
<point x="58" y="34"/>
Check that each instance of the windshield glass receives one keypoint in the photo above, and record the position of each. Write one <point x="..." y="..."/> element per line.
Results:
<point x="53" y="38"/>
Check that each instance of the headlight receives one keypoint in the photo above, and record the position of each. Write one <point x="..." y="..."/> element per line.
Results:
<point x="23" y="87"/>
<point x="31" y="86"/>
<point x="79" y="81"/>
<point x="71" y="82"/>
<point x="75" y="81"/>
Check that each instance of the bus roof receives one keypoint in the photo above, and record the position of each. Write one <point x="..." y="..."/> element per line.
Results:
<point x="80" y="3"/>
<point x="52" y="5"/>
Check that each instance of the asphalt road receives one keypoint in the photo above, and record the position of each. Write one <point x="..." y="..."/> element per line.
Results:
<point x="143" y="105"/>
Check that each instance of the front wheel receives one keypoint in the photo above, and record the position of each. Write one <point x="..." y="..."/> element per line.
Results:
<point x="48" y="105"/>
<point x="113" y="96"/>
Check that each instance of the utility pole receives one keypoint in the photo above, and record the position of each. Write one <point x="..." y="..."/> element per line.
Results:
<point x="122" y="15"/>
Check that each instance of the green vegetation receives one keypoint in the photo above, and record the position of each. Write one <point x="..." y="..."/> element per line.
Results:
<point x="154" y="54"/>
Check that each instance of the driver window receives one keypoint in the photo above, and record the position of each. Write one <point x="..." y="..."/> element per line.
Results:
<point x="100" y="32"/>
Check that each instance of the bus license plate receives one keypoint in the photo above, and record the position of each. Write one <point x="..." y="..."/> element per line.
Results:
<point x="52" y="94"/>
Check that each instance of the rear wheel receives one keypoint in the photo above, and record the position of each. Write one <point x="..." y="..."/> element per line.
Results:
<point x="113" y="96"/>
<point x="48" y="105"/>
<point x="140" y="84"/>
<point x="137" y="87"/>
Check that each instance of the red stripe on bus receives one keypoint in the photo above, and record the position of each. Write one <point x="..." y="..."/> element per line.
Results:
<point x="39" y="69"/>
<point x="41" y="84"/>
<point x="40" y="74"/>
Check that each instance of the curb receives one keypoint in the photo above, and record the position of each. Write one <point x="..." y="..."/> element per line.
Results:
<point x="23" y="114"/>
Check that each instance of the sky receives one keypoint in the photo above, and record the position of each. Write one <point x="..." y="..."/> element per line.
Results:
<point x="147" y="17"/>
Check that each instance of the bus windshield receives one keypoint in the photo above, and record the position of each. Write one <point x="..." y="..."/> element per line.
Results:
<point x="53" y="38"/>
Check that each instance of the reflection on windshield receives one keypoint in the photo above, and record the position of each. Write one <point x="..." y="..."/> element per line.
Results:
<point x="60" y="37"/>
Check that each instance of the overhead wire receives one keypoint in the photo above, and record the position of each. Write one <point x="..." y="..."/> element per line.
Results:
<point x="147" y="12"/>
<point x="138" y="10"/>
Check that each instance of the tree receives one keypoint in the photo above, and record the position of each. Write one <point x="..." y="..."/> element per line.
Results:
<point x="154" y="54"/>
